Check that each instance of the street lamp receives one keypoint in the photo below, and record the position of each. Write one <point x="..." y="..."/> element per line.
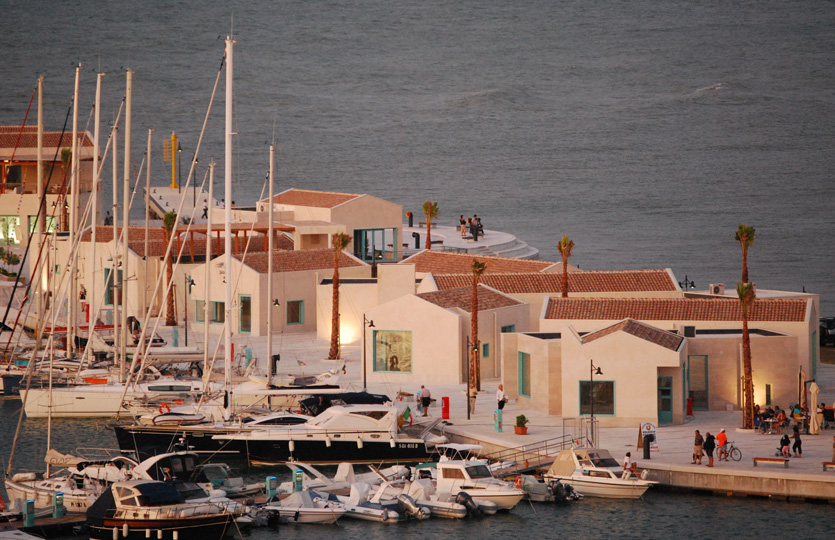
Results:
<point x="686" y="284"/>
<point x="593" y="370"/>
<point x="365" y="324"/>
<point x="189" y="285"/>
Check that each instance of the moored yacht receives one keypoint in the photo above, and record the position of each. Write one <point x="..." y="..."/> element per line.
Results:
<point x="593" y="472"/>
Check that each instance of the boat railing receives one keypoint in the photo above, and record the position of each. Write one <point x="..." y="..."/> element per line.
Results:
<point x="528" y="457"/>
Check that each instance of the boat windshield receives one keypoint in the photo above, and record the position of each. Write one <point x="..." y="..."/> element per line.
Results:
<point x="603" y="461"/>
<point x="479" y="471"/>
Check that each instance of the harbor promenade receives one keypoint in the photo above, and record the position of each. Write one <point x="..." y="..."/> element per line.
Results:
<point x="670" y="464"/>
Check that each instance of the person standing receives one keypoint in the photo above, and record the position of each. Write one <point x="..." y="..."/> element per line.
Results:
<point x="463" y="224"/>
<point x="473" y="394"/>
<point x="709" y="446"/>
<point x="205" y="210"/>
<point x="425" y="399"/>
<point x="501" y="397"/>
<point x="698" y="446"/>
<point x="721" y="444"/>
<point x="833" y="449"/>
<point x="798" y="451"/>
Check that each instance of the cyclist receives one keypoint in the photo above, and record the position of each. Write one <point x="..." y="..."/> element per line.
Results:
<point x="721" y="444"/>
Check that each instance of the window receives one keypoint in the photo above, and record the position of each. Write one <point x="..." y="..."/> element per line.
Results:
<point x="217" y="312"/>
<point x="486" y="350"/>
<point x="48" y="224"/>
<point x="295" y="312"/>
<point x="603" y="397"/>
<point x="199" y="308"/>
<point x="378" y="245"/>
<point x="456" y="474"/>
<point x="111" y="289"/>
<point x="245" y="313"/>
<point x="524" y="372"/>
<point x="393" y="351"/>
<point x="8" y="230"/>
<point x="508" y="329"/>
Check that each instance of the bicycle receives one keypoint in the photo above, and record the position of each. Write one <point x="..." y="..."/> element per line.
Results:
<point x="732" y="451"/>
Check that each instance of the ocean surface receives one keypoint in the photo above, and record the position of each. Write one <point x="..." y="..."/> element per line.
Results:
<point x="645" y="130"/>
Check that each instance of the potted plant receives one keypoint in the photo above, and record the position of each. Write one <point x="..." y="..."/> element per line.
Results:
<point x="521" y="427"/>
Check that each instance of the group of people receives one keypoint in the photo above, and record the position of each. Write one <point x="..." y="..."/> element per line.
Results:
<point x="424" y="399"/>
<point x="796" y="447"/>
<point x="471" y="225"/>
<point x="707" y="444"/>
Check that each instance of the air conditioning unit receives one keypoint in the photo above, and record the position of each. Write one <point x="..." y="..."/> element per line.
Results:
<point x="717" y="288"/>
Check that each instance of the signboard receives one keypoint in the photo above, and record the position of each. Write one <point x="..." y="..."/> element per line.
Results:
<point x="649" y="429"/>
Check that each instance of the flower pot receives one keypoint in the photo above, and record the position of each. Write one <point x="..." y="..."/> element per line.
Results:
<point x="521" y="430"/>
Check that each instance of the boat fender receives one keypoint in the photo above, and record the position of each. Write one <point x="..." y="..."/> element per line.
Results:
<point x="164" y="408"/>
<point x="297" y="516"/>
<point x="472" y="507"/>
<point x="518" y="483"/>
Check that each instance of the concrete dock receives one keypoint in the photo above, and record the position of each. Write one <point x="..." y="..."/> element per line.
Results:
<point x="804" y="479"/>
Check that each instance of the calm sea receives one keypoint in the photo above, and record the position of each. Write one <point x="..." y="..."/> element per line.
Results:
<point x="645" y="130"/>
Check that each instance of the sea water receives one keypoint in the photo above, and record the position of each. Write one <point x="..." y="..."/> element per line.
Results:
<point x="647" y="131"/>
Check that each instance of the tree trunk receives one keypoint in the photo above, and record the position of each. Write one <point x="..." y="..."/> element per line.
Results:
<point x="564" y="276"/>
<point x="747" y="378"/>
<point x="475" y="370"/>
<point x="334" y="350"/>
<point x="170" y="318"/>
<point x="428" y="233"/>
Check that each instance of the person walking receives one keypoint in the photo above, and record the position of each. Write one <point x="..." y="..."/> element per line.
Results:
<point x="709" y="446"/>
<point x="798" y="452"/>
<point x="425" y="399"/>
<point x="501" y="397"/>
<point x="722" y="444"/>
<point x="698" y="446"/>
<point x="205" y="210"/>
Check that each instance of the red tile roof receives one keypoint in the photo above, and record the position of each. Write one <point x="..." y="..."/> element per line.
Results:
<point x="104" y="233"/>
<point x="298" y="261"/>
<point x="315" y="199"/>
<point x="665" y="339"/>
<point x="11" y="137"/>
<point x="462" y="298"/>
<point x="445" y="262"/>
<point x="675" y="309"/>
<point x="578" y="282"/>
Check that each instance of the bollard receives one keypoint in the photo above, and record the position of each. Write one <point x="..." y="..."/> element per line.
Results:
<point x="647" y="441"/>
<point x="298" y="480"/>
<point x="445" y="408"/>
<point x="497" y="420"/>
<point x="175" y="337"/>
<point x="58" y="509"/>
<point x="29" y="514"/>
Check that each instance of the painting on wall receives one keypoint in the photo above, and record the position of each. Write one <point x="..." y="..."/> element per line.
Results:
<point x="393" y="351"/>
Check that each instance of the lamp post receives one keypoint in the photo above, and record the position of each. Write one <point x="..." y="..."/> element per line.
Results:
<point x="593" y="370"/>
<point x="686" y="284"/>
<point x="365" y="324"/>
<point x="189" y="285"/>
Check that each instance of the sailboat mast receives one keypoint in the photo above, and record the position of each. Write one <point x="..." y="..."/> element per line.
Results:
<point x="39" y="227"/>
<point x="74" y="184"/>
<point x="115" y="258"/>
<point x="126" y="217"/>
<point x="147" y="218"/>
<point x="270" y="305"/>
<point x="206" y="278"/>
<point x="93" y="316"/>
<point x="227" y="172"/>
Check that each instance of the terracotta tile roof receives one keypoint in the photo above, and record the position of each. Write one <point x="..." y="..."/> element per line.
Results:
<point x="445" y="262"/>
<point x="675" y="309"/>
<point x="316" y="199"/>
<point x="104" y="233"/>
<point x="298" y="261"/>
<point x="29" y="139"/>
<point x="579" y="282"/>
<point x="462" y="298"/>
<point x="663" y="338"/>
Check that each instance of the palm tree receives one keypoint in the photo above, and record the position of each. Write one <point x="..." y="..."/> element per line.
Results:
<point x="169" y="220"/>
<point x="745" y="237"/>
<point x="475" y="356"/>
<point x="340" y="242"/>
<point x="747" y="294"/>
<point x="564" y="246"/>
<point x="430" y="210"/>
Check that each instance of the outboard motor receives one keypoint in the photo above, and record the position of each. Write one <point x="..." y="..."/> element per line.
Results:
<point x="558" y="491"/>
<point x="472" y="507"/>
<point x="410" y="507"/>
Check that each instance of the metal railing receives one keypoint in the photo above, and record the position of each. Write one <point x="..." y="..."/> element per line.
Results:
<point x="529" y="456"/>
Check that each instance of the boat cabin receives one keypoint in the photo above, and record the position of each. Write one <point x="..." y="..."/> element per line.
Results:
<point x="592" y="461"/>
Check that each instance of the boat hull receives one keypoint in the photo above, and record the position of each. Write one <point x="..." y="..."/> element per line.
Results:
<point x="75" y="501"/>
<point x="187" y="528"/>
<point x="624" y="489"/>
<point x="335" y="451"/>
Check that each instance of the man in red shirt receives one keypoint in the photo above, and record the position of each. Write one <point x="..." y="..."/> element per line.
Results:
<point x="721" y="442"/>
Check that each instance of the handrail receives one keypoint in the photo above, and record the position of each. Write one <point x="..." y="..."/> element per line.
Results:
<point x="526" y="456"/>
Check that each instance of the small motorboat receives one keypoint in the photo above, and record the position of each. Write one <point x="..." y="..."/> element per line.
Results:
<point x="219" y="476"/>
<point x="302" y="507"/>
<point x="593" y="472"/>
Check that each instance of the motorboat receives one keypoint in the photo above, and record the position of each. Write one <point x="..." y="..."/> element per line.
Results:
<point x="219" y="476"/>
<point x="355" y="433"/>
<point x="358" y="506"/>
<point x="593" y="472"/>
<point x="475" y="479"/>
<point x="140" y="509"/>
<point x="345" y="477"/>
<point x="302" y="507"/>
<point x="419" y="498"/>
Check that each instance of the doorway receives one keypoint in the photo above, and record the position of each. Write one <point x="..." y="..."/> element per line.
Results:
<point x="665" y="400"/>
